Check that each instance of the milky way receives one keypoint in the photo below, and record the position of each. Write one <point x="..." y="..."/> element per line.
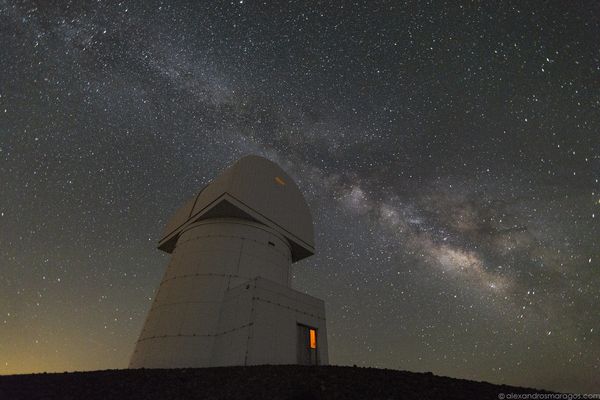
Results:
<point x="450" y="155"/>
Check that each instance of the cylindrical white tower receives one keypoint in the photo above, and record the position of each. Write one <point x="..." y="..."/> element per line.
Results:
<point x="226" y="298"/>
<point x="211" y="256"/>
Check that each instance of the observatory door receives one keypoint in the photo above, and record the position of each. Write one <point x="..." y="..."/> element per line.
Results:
<point x="307" y="345"/>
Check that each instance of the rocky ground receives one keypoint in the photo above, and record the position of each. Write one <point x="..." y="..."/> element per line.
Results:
<point x="258" y="382"/>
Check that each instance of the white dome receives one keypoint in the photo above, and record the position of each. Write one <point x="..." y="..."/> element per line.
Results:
<point x="256" y="189"/>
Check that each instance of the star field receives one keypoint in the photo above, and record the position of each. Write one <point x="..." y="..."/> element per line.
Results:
<point x="450" y="154"/>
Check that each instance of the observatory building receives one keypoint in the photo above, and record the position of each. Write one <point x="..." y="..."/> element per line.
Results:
<point x="226" y="297"/>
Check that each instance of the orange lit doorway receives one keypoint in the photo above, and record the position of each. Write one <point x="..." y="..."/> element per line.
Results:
<point x="307" y="345"/>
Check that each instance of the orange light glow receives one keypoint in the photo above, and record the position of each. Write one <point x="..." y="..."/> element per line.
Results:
<point x="313" y="339"/>
<point x="279" y="181"/>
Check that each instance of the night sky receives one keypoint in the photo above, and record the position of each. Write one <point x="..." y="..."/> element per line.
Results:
<point x="450" y="155"/>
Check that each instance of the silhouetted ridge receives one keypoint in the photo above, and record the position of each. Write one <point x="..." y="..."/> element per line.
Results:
<point x="256" y="382"/>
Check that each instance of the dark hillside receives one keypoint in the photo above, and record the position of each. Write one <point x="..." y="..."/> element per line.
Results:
<point x="258" y="382"/>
